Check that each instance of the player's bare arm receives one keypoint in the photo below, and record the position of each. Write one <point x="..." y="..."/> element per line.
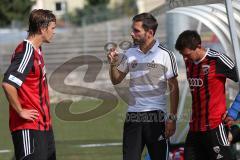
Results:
<point x="174" y="98"/>
<point x="12" y="96"/>
<point x="115" y="75"/>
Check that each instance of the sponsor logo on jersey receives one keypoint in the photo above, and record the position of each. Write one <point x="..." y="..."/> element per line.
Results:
<point x="152" y="64"/>
<point x="195" y="82"/>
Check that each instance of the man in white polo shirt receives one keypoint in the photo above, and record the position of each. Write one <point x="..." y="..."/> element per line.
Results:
<point x="152" y="68"/>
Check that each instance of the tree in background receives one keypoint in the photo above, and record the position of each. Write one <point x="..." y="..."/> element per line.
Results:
<point x="93" y="11"/>
<point x="97" y="2"/>
<point x="130" y="7"/>
<point x="97" y="11"/>
<point x="14" y="11"/>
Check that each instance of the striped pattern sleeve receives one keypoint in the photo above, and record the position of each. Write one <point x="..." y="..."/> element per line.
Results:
<point x="170" y="64"/>
<point x="225" y="66"/>
<point x="20" y="66"/>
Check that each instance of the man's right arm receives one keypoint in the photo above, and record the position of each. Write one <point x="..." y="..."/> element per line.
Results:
<point x="12" y="97"/>
<point x="116" y="75"/>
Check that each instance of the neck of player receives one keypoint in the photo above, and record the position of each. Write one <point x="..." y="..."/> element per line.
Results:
<point x="201" y="53"/>
<point x="36" y="40"/>
<point x="147" y="45"/>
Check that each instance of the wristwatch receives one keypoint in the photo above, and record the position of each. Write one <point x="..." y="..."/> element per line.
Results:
<point x="172" y="117"/>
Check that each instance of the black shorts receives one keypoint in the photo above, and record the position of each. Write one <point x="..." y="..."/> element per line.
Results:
<point x="208" y="145"/>
<point x="34" y="145"/>
<point x="145" y="128"/>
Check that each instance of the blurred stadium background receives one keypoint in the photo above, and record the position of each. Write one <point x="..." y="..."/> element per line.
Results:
<point x="84" y="28"/>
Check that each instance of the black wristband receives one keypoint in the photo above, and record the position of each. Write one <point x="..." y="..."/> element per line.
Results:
<point x="172" y="117"/>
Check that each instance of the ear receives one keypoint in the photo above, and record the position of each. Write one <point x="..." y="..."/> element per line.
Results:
<point x="41" y="30"/>
<point x="199" y="46"/>
<point x="151" y="32"/>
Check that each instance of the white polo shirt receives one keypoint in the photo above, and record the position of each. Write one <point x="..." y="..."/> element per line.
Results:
<point x="148" y="77"/>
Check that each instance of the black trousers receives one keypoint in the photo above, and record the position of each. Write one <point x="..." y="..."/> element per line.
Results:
<point x="208" y="145"/>
<point x="34" y="145"/>
<point x="145" y="128"/>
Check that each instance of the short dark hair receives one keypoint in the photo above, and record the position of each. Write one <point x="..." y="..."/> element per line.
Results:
<point x="40" y="18"/>
<point x="188" y="39"/>
<point x="148" y="20"/>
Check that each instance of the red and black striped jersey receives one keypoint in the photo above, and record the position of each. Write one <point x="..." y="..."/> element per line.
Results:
<point x="206" y="80"/>
<point x="27" y="73"/>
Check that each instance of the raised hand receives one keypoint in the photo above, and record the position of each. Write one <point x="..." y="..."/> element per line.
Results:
<point x="112" y="56"/>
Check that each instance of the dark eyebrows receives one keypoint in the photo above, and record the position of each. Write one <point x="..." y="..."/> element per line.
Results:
<point x="135" y="30"/>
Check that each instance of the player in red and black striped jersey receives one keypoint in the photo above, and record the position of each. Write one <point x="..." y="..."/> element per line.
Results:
<point x="206" y="80"/>
<point x="27" y="74"/>
<point x="207" y="71"/>
<point x="25" y="85"/>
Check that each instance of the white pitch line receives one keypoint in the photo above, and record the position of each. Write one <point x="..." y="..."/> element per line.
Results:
<point x="98" y="145"/>
<point x="5" y="151"/>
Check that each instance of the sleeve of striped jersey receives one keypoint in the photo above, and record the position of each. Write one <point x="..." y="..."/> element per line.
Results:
<point x="171" y="65"/>
<point x="226" y="67"/>
<point x="19" y="68"/>
<point x="123" y="65"/>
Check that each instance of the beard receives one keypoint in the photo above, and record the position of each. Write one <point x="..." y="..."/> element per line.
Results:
<point x="139" y="41"/>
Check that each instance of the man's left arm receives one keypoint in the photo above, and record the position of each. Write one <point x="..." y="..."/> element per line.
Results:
<point x="227" y="68"/>
<point x="174" y="98"/>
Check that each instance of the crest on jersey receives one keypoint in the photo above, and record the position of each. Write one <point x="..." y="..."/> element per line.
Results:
<point x="205" y="69"/>
<point x="134" y="64"/>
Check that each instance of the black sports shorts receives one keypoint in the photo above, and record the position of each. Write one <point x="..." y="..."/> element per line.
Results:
<point x="208" y="145"/>
<point x="145" y="128"/>
<point x="34" y="145"/>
